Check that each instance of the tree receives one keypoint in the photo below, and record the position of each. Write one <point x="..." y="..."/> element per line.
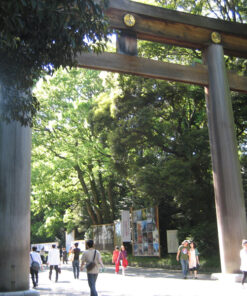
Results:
<point x="146" y="140"/>
<point x="73" y="181"/>
<point x="39" y="36"/>
<point x="228" y="10"/>
<point x="160" y="143"/>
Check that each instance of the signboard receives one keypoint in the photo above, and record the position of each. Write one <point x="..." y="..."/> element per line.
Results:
<point x="103" y="236"/>
<point x="117" y="233"/>
<point x="172" y="241"/>
<point x="81" y="244"/>
<point x="125" y="226"/>
<point x="69" y="238"/>
<point x="145" y="227"/>
<point x="44" y="246"/>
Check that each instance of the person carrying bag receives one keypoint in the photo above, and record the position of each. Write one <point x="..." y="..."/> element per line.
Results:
<point x="122" y="258"/>
<point x="92" y="264"/>
<point x="92" y="259"/>
<point x="35" y="265"/>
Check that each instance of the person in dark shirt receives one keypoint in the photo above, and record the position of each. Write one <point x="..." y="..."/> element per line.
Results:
<point x="65" y="256"/>
<point x="76" y="261"/>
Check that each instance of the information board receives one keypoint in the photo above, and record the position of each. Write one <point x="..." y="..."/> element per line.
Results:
<point x="145" y="228"/>
<point x="103" y="236"/>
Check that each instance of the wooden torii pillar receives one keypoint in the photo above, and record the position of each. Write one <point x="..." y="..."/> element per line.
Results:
<point x="214" y="38"/>
<point x="228" y="189"/>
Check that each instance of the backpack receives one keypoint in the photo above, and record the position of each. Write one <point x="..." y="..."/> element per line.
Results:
<point x="34" y="265"/>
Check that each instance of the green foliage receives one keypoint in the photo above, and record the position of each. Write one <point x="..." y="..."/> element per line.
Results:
<point x="168" y="53"/>
<point x="203" y="234"/>
<point x="159" y="138"/>
<point x="227" y="10"/>
<point x="208" y="263"/>
<point x="73" y="181"/>
<point x="240" y="111"/>
<point x="102" y="143"/>
<point x="243" y="160"/>
<point x="37" y="36"/>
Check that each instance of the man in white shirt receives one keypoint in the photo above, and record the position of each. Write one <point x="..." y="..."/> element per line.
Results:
<point x="35" y="257"/>
<point x="53" y="260"/>
<point x="88" y="256"/>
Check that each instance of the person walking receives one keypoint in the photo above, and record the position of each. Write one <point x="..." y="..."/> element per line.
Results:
<point x="193" y="259"/>
<point x="122" y="259"/>
<point x="115" y="256"/>
<point x="183" y="256"/>
<point x="61" y="254"/>
<point x="89" y="256"/>
<point x="53" y="261"/>
<point x="76" y="261"/>
<point x="65" y="256"/>
<point x="35" y="258"/>
<point x="243" y="257"/>
<point x="42" y="255"/>
<point x="70" y="254"/>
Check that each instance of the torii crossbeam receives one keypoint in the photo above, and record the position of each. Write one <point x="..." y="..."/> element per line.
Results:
<point x="170" y="27"/>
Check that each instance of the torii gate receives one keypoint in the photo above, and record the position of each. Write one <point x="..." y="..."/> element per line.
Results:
<point x="134" y="20"/>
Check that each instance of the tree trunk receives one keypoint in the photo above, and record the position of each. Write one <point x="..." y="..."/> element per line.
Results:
<point x="105" y="207"/>
<point x="95" y="194"/>
<point x="111" y="200"/>
<point x="91" y="212"/>
<point x="90" y="209"/>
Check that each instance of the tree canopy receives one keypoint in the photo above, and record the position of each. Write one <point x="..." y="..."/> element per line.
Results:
<point x="84" y="189"/>
<point x="39" y="36"/>
<point x="105" y="142"/>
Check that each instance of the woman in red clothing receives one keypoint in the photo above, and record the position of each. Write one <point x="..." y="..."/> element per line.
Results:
<point x="122" y="258"/>
<point x="115" y="260"/>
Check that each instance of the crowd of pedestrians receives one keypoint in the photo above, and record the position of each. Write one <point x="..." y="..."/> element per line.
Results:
<point x="55" y="256"/>
<point x="187" y="254"/>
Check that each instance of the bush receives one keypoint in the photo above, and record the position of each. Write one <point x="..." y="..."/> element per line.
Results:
<point x="169" y="262"/>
